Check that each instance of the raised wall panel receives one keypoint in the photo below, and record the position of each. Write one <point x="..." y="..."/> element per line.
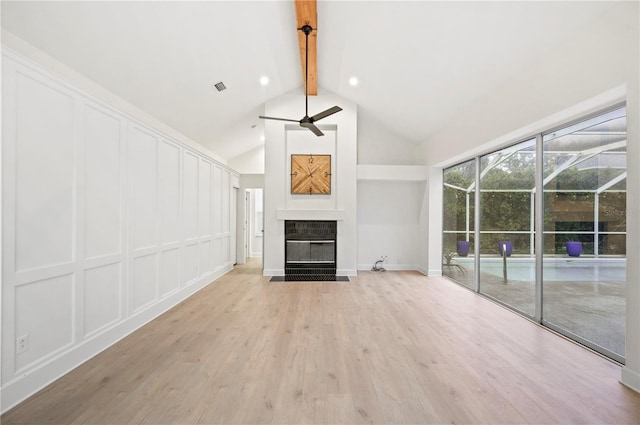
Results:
<point x="226" y="249"/>
<point x="190" y="196"/>
<point x="226" y="187"/>
<point x="169" y="191"/>
<point x="206" y="257"/>
<point x="142" y="171"/>
<point x="217" y="200"/>
<point x="145" y="280"/>
<point x="190" y="260"/>
<point x="102" y="145"/>
<point x="169" y="271"/>
<point x="217" y="253"/>
<point x="204" y="188"/>
<point x="44" y="313"/>
<point x="101" y="297"/>
<point x="44" y="180"/>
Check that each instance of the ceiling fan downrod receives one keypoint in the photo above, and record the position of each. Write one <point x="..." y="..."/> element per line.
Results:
<point x="306" y="29"/>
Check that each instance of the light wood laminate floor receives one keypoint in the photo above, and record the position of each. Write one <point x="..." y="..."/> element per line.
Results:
<point x="391" y="347"/>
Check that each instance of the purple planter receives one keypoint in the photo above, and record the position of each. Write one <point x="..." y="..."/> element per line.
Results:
<point x="508" y="245"/>
<point x="574" y="248"/>
<point x="463" y="248"/>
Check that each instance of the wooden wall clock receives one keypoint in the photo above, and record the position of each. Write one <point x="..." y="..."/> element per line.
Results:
<point x="311" y="174"/>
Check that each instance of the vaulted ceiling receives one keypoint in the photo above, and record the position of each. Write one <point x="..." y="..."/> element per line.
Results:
<point x="418" y="63"/>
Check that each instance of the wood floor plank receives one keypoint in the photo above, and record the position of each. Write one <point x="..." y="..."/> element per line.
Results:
<point x="392" y="347"/>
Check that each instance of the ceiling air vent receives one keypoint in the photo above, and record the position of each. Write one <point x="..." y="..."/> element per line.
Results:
<point x="220" y="86"/>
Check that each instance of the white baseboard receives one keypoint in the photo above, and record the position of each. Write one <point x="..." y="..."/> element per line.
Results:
<point x="423" y="270"/>
<point x="390" y="267"/>
<point x="33" y="380"/>
<point x="630" y="378"/>
<point x="346" y="272"/>
<point x="434" y="272"/>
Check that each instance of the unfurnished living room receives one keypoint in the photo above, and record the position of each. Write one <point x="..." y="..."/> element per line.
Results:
<point x="320" y="212"/>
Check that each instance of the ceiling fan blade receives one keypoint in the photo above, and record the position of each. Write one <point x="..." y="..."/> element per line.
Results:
<point x="326" y="113"/>
<point x="279" y="119"/>
<point x="312" y="127"/>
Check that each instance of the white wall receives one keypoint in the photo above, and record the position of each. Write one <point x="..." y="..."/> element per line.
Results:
<point x="594" y="69"/>
<point x="388" y="211"/>
<point x="378" y="145"/>
<point x="388" y="215"/>
<point x="251" y="162"/>
<point x="283" y="140"/>
<point x="107" y="223"/>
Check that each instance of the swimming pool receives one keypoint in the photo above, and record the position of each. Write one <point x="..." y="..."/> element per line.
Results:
<point x="554" y="268"/>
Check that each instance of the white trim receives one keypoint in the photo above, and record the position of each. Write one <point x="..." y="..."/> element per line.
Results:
<point x="32" y="381"/>
<point x="630" y="378"/>
<point x="423" y="270"/>
<point x="390" y="267"/>
<point x="337" y="215"/>
<point x="273" y="272"/>
<point x="346" y="272"/>
<point x="434" y="272"/>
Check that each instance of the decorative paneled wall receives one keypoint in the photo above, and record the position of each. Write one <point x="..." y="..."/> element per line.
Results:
<point x="106" y="224"/>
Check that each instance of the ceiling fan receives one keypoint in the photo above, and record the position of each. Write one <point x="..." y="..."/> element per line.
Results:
<point x="307" y="121"/>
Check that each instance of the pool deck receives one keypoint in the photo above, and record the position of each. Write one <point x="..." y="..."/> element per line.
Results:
<point x="585" y="296"/>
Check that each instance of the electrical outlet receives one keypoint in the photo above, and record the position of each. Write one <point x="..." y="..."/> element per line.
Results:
<point x="22" y="344"/>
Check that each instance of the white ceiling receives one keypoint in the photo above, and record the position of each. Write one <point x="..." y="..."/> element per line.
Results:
<point x="419" y="63"/>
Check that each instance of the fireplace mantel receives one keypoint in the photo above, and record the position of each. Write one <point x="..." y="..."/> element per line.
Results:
<point x="336" y="215"/>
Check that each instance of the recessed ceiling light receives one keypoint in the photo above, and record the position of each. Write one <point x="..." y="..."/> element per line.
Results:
<point x="262" y="138"/>
<point x="264" y="80"/>
<point x="353" y="81"/>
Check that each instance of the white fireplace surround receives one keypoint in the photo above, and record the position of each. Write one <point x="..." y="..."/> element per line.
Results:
<point x="331" y="215"/>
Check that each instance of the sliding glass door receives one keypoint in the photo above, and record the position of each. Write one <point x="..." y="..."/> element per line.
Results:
<point x="459" y="224"/>
<point x="507" y="179"/>
<point x="585" y="232"/>
<point x="570" y="184"/>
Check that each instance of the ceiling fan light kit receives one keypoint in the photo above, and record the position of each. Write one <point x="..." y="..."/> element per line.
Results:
<point x="307" y="121"/>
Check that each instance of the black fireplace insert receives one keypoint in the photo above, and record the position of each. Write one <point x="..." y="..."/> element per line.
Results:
<point x="310" y="250"/>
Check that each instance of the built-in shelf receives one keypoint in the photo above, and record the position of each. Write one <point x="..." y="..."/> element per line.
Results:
<point x="336" y="215"/>
<point x="411" y="173"/>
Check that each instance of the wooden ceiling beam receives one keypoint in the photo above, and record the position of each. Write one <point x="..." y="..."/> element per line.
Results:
<point x="307" y="14"/>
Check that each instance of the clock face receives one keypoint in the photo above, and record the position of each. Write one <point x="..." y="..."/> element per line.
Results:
<point x="311" y="174"/>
